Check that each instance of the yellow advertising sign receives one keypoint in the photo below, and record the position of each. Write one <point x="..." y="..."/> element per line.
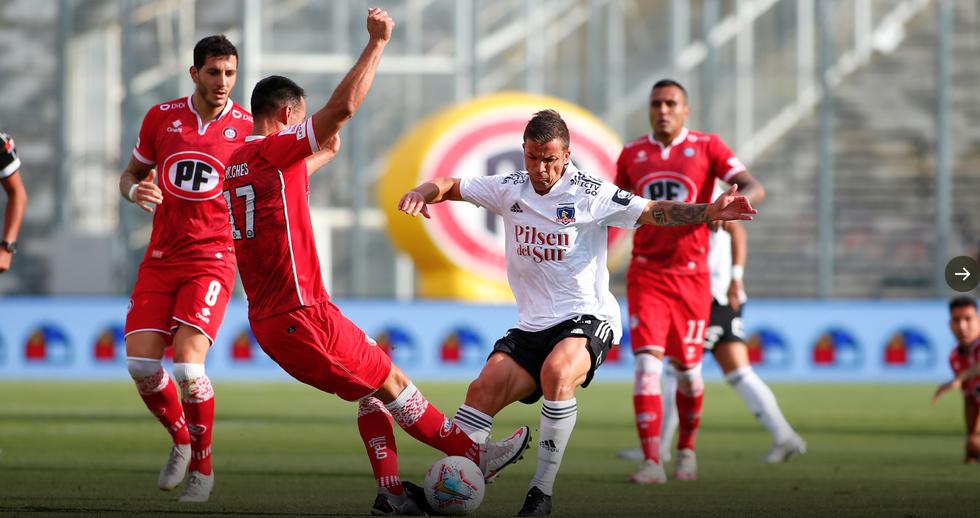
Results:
<point x="459" y="253"/>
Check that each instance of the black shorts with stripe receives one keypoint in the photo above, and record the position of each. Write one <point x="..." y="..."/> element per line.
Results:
<point x="530" y="348"/>
<point x="726" y="326"/>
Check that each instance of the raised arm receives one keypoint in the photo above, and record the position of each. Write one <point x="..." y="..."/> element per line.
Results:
<point x="350" y="93"/>
<point x="136" y="184"/>
<point x="727" y="207"/>
<point x="438" y="190"/>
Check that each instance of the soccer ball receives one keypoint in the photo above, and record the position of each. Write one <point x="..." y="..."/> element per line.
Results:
<point x="454" y="485"/>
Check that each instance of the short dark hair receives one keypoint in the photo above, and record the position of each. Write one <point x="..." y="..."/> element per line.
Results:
<point x="963" y="301"/>
<point x="664" y="83"/>
<point x="545" y="126"/>
<point x="217" y="45"/>
<point x="274" y="92"/>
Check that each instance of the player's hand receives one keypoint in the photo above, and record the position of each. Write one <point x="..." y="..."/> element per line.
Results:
<point x="730" y="207"/>
<point x="5" y="259"/>
<point x="734" y="294"/>
<point x="945" y="387"/>
<point x="379" y="24"/>
<point x="413" y="204"/>
<point x="147" y="193"/>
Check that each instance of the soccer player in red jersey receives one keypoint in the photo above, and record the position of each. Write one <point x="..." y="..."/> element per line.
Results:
<point x="668" y="283"/>
<point x="267" y="187"/>
<point x="965" y="362"/>
<point x="186" y="277"/>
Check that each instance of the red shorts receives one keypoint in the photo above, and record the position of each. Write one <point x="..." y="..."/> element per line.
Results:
<point x="319" y="346"/>
<point x="668" y="312"/>
<point x="194" y="293"/>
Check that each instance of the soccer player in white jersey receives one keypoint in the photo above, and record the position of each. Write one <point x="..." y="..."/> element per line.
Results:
<point x="556" y="219"/>
<point x="725" y="338"/>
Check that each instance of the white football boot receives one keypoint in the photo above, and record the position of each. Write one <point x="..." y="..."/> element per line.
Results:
<point x="496" y="456"/>
<point x="198" y="487"/>
<point x="173" y="472"/>
<point x="686" y="467"/>
<point x="782" y="452"/>
<point x="650" y="472"/>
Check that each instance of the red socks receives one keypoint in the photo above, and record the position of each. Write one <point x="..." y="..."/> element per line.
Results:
<point x="374" y="424"/>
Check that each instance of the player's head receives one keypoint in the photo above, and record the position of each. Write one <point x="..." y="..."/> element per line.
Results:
<point x="963" y="320"/>
<point x="215" y="69"/>
<point x="279" y="99"/>
<point x="545" y="149"/>
<point x="668" y="108"/>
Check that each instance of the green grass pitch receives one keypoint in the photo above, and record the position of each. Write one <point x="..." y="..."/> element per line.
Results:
<point x="287" y="450"/>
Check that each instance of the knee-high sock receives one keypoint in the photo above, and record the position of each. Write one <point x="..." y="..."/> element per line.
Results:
<point x="647" y="404"/>
<point x="670" y="408"/>
<point x="197" y="397"/>
<point x="475" y="423"/>
<point x="423" y="421"/>
<point x="761" y="402"/>
<point x="557" y="422"/>
<point x="690" y="396"/>
<point x="374" y="424"/>
<point x="160" y="396"/>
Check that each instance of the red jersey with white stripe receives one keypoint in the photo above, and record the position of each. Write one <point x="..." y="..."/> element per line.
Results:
<point x="684" y="171"/>
<point x="192" y="221"/>
<point x="962" y="359"/>
<point x="267" y="189"/>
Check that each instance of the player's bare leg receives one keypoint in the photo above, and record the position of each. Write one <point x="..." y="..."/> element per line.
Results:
<point x="197" y="397"/>
<point x="648" y="408"/>
<point x="733" y="357"/>
<point x="690" y="395"/>
<point x="565" y="368"/>
<point x="501" y="382"/>
<point x="971" y="412"/>
<point x="423" y="421"/>
<point x="144" y="351"/>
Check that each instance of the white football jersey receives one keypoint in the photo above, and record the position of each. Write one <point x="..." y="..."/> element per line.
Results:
<point x="556" y="244"/>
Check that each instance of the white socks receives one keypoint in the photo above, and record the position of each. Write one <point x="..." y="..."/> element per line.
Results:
<point x="557" y="422"/>
<point x="761" y="402"/>
<point x="475" y="423"/>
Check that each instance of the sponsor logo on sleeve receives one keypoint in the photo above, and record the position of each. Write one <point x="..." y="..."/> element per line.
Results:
<point x="622" y="197"/>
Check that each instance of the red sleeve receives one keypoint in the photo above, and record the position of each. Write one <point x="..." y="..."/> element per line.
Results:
<point x="622" y="178"/>
<point x="724" y="163"/>
<point x="295" y="143"/>
<point x="146" y="143"/>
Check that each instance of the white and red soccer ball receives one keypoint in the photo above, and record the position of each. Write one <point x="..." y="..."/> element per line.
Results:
<point x="454" y="486"/>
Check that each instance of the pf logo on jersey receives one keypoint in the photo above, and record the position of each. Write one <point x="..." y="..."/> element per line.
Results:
<point x="667" y="186"/>
<point x="191" y="175"/>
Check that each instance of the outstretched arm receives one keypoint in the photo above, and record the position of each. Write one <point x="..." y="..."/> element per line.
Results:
<point x="415" y="202"/>
<point x="956" y="382"/>
<point x="350" y="93"/>
<point x="727" y="207"/>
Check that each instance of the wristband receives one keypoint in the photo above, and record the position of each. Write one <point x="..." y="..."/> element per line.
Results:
<point x="738" y="271"/>
<point x="132" y="193"/>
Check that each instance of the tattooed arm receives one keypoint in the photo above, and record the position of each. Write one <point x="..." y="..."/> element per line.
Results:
<point x="672" y="213"/>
